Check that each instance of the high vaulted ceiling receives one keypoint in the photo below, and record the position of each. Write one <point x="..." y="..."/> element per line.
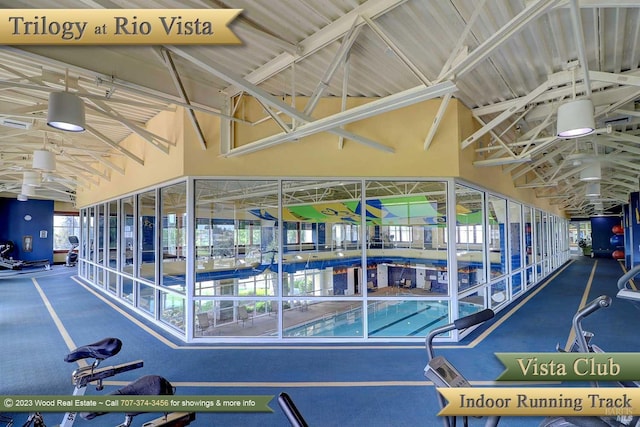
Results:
<point x="512" y="62"/>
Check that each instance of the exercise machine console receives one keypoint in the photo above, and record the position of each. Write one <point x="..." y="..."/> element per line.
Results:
<point x="72" y="256"/>
<point x="442" y="373"/>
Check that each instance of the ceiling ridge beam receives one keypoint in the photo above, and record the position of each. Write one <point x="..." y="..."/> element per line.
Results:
<point x="522" y="102"/>
<point x="533" y="11"/>
<point x="338" y="59"/>
<point x="433" y="129"/>
<point x="318" y="40"/>
<point x="192" y="54"/>
<point x="391" y="102"/>
<point x="114" y="145"/>
<point x="150" y="137"/>
<point x="396" y="49"/>
<point x="182" y="92"/>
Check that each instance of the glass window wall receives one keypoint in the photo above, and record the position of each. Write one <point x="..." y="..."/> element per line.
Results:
<point x="112" y="246"/>
<point x="497" y="215"/>
<point x="147" y="237"/>
<point x="174" y="237"/>
<point x="316" y="259"/>
<point x="470" y="237"/>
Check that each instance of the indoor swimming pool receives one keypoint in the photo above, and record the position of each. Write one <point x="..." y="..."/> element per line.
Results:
<point x="384" y="319"/>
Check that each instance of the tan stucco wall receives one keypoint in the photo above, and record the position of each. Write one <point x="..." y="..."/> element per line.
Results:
<point x="318" y="155"/>
<point x="158" y="166"/>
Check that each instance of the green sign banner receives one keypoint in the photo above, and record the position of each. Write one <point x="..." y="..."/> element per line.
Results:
<point x="123" y="403"/>
<point x="570" y="366"/>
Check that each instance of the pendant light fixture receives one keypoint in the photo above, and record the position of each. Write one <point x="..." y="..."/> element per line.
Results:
<point x="66" y="110"/>
<point x="31" y="179"/>
<point x="44" y="160"/>
<point x="28" y="190"/>
<point x="576" y="117"/>
<point x="593" y="189"/>
<point x="592" y="172"/>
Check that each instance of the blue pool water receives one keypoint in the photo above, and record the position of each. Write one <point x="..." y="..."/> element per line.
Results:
<point x="384" y="318"/>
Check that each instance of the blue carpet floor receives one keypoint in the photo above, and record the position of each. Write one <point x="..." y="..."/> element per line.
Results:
<point x="362" y="385"/>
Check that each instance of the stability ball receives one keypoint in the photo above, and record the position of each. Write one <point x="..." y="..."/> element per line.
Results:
<point x="618" y="254"/>
<point x="617" y="240"/>
<point x="617" y="229"/>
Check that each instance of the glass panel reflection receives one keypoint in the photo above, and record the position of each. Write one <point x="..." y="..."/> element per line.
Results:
<point x="147" y="235"/>
<point x="236" y="238"/>
<point x="322" y="238"/>
<point x="174" y="236"/>
<point x="497" y="216"/>
<point x="235" y="318"/>
<point x="172" y="309"/>
<point x="406" y="238"/>
<point x="469" y="237"/>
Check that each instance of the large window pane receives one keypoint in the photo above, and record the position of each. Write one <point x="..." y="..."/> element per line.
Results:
<point x="515" y="234"/>
<point x="330" y="264"/>
<point x="406" y="244"/>
<point x="147" y="227"/>
<point x="528" y="234"/>
<point x="127" y="230"/>
<point x="306" y="318"/>
<point x="64" y="225"/>
<point x="174" y="236"/>
<point x="469" y="231"/>
<point x="112" y="234"/>
<point x="235" y="318"/>
<point x="497" y="220"/>
<point x="236" y="236"/>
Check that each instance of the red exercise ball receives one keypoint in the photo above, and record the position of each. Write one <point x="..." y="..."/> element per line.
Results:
<point x="618" y="254"/>
<point x="617" y="229"/>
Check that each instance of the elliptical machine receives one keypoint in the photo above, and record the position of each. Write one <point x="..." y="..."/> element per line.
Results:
<point x="72" y="256"/>
<point x="443" y="374"/>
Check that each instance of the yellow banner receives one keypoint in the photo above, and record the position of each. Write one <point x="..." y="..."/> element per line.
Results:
<point x="117" y="26"/>
<point x="544" y="401"/>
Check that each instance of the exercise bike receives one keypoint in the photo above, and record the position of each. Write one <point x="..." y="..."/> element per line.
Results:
<point x="151" y="385"/>
<point x="442" y="373"/>
<point x="93" y="373"/>
<point x="72" y="256"/>
<point x="583" y="343"/>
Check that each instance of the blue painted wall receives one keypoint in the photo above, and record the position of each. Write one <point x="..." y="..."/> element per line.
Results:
<point x="627" y="235"/>
<point x="14" y="227"/>
<point x="634" y="227"/>
<point x="601" y="234"/>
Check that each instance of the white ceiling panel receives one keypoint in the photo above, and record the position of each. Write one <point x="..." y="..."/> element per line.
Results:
<point x="514" y="63"/>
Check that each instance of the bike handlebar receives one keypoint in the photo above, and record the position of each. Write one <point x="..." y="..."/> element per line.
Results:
<point x="602" y="301"/>
<point x="473" y="319"/>
<point x="622" y="281"/>
<point x="459" y="324"/>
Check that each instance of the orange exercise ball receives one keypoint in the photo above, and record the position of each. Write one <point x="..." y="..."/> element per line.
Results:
<point x="617" y="229"/>
<point x="618" y="254"/>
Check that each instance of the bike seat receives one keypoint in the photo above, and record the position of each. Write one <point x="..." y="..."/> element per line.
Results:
<point x="150" y="385"/>
<point x="100" y="350"/>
